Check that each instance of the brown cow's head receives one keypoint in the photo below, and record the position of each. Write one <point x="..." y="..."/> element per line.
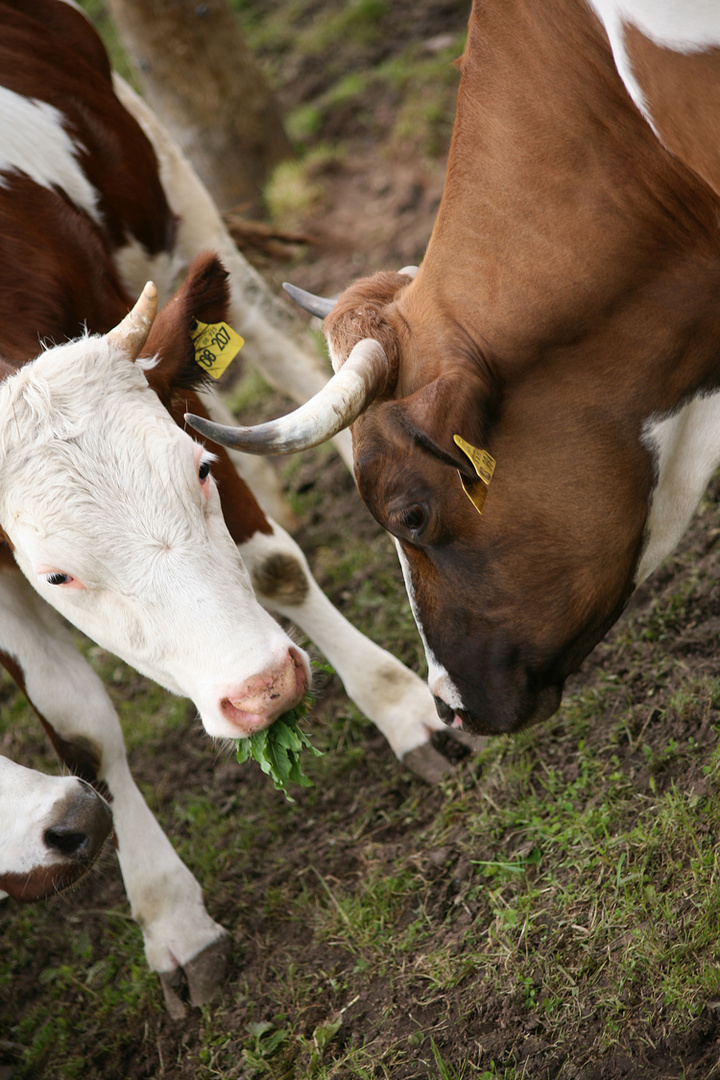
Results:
<point x="511" y="599"/>
<point x="508" y="601"/>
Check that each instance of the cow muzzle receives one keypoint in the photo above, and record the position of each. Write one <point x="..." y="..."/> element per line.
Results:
<point x="504" y="716"/>
<point x="263" y="698"/>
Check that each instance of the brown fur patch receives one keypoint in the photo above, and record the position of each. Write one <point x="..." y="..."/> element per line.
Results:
<point x="282" y="578"/>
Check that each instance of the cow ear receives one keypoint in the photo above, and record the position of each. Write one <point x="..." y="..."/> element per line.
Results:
<point x="457" y="403"/>
<point x="204" y="296"/>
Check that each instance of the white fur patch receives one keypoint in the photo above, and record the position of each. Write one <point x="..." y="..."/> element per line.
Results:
<point x="439" y="681"/>
<point x="686" y="449"/>
<point x="135" y="267"/>
<point x="25" y="126"/>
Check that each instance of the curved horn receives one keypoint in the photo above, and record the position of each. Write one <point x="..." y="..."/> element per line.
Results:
<point x="131" y="334"/>
<point x="344" y="397"/>
<point x="315" y="305"/>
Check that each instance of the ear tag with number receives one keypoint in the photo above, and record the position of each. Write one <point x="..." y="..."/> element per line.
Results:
<point x="216" y="345"/>
<point x="484" y="466"/>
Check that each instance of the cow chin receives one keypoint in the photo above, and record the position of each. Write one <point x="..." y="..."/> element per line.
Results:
<point x="503" y="712"/>
<point x="545" y="704"/>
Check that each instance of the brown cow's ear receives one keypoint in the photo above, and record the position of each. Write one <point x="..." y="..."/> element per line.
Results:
<point x="204" y="297"/>
<point x="457" y="403"/>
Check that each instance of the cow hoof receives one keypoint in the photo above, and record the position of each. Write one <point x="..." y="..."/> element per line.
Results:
<point x="198" y="981"/>
<point x="206" y="971"/>
<point x="173" y="988"/>
<point x="427" y="763"/>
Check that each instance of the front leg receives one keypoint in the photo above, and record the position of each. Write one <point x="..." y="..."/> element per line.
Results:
<point x="182" y="942"/>
<point x="397" y="700"/>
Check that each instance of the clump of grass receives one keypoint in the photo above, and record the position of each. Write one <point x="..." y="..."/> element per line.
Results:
<point x="277" y="749"/>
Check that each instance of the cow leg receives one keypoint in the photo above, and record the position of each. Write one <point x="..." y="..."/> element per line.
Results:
<point x="397" y="701"/>
<point x="182" y="942"/>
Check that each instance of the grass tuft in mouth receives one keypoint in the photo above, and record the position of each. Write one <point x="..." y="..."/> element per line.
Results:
<point x="277" y="749"/>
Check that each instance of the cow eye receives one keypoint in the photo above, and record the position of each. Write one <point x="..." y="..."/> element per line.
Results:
<point x="203" y="471"/>
<point x="414" y="519"/>
<point x="56" y="578"/>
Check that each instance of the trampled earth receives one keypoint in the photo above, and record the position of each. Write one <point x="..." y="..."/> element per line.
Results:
<point x="552" y="910"/>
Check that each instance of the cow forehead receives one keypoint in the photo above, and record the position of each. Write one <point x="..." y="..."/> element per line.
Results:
<point x="63" y="391"/>
<point x="84" y="441"/>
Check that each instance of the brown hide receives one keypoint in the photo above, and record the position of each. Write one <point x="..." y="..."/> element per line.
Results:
<point x="570" y="291"/>
<point x="682" y="94"/>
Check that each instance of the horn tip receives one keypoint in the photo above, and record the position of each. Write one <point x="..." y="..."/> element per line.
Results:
<point x="205" y="427"/>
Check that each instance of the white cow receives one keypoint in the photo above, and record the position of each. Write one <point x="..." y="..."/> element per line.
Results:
<point x="108" y="508"/>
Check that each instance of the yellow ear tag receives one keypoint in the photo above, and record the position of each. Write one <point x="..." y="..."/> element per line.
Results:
<point x="216" y="346"/>
<point x="484" y="466"/>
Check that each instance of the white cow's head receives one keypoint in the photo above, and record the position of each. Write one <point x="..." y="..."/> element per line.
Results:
<point x="51" y="830"/>
<point x="115" y="519"/>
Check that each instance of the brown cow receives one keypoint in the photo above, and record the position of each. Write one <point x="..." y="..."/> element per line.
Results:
<point x="536" y="412"/>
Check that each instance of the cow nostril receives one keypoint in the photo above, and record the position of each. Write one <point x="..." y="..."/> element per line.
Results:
<point x="67" y="841"/>
<point x="443" y="710"/>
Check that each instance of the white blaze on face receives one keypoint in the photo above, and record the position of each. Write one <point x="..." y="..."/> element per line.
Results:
<point x="439" y="681"/>
<point x="115" y="523"/>
<point x="685" y="26"/>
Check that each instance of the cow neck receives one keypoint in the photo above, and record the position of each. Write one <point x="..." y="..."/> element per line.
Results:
<point x="567" y="212"/>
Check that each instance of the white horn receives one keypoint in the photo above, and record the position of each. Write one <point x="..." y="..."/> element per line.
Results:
<point x="344" y="397"/>
<point x="131" y="334"/>
<point x="314" y="305"/>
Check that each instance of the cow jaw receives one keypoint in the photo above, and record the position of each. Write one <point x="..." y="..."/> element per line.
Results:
<point x="100" y="485"/>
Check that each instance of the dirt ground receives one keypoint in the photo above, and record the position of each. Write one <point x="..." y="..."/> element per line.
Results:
<point x="376" y="211"/>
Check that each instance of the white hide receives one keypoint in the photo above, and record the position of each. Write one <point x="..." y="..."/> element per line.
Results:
<point x="56" y="165"/>
<point x="686" y="450"/>
<point x="98" y="482"/>
<point x="439" y="681"/>
<point x="686" y="26"/>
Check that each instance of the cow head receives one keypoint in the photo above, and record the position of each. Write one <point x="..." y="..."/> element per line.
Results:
<point x="511" y="599"/>
<point x="114" y="517"/>
<point x="52" y="828"/>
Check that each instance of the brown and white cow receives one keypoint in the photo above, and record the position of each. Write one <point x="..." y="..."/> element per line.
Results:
<point x="110" y="511"/>
<point x="563" y="329"/>
<point x="52" y="828"/>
